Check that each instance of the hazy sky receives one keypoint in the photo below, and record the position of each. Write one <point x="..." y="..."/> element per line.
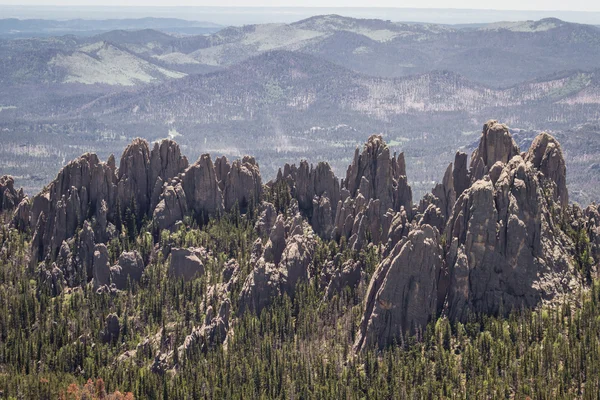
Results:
<point x="573" y="5"/>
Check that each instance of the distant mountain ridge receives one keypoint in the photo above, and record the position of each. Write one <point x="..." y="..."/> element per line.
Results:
<point x="19" y="28"/>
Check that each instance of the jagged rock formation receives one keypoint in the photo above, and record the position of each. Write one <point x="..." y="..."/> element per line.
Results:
<point x="402" y="294"/>
<point x="203" y="190"/>
<point x="493" y="236"/>
<point x="496" y="144"/>
<point x="279" y="265"/>
<point x="350" y="274"/>
<point x="546" y="156"/>
<point x="212" y="333"/>
<point x="87" y="189"/>
<point x="374" y="190"/>
<point x="9" y="197"/>
<point x="186" y="263"/>
<point x="504" y="244"/>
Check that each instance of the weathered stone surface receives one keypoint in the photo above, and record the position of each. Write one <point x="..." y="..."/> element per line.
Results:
<point x="281" y="264"/>
<point x="9" y="197"/>
<point x="134" y="187"/>
<point x="202" y="188"/>
<point x="505" y="250"/>
<point x="402" y="295"/>
<point x="186" y="263"/>
<point x="130" y="267"/>
<point x="21" y="216"/>
<point x="80" y="188"/>
<point x="317" y="191"/>
<point x="212" y="333"/>
<point x="546" y="156"/>
<point x="496" y="144"/>
<point x="243" y="185"/>
<point x="266" y="220"/>
<point x="445" y="193"/>
<point x="460" y="173"/>
<point x="349" y="275"/>
<point x="172" y="207"/>
<point x="101" y="266"/>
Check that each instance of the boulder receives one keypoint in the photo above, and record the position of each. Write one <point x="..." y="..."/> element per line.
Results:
<point x="186" y="263"/>
<point x="130" y="267"/>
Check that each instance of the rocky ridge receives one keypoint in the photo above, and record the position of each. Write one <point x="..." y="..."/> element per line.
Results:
<point x="497" y="233"/>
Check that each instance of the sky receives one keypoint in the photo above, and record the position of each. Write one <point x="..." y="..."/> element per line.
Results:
<point x="572" y="5"/>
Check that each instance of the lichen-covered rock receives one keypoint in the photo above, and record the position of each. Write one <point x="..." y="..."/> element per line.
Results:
<point x="402" y="295"/>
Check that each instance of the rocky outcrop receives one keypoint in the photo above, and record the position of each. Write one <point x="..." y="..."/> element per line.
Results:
<point x="112" y="329"/>
<point x="375" y="189"/>
<point x="87" y="189"/>
<point x="212" y="333"/>
<point x="186" y="263"/>
<point x="317" y="191"/>
<point x="402" y="295"/>
<point x="506" y="249"/>
<point x="545" y="154"/>
<point x="350" y="274"/>
<point x="204" y="190"/>
<point x="279" y="265"/>
<point x="129" y="268"/>
<point x="101" y="266"/>
<point x="9" y="197"/>
<point x="496" y="144"/>
<point x="243" y="185"/>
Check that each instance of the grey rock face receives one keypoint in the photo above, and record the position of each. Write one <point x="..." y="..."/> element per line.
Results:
<point x="505" y="249"/>
<point x="9" y="197"/>
<point x="212" y="333"/>
<point x="496" y="144"/>
<point x="546" y="156"/>
<point x="349" y="275"/>
<point x="186" y="263"/>
<point x="101" y="266"/>
<point x="243" y="185"/>
<point x="278" y="267"/>
<point x="21" y="215"/>
<point x="317" y="191"/>
<point x="402" y="295"/>
<point x="378" y="177"/>
<point x="130" y="267"/>
<point x="80" y="188"/>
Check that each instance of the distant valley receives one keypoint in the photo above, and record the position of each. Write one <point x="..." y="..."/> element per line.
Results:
<point x="312" y="89"/>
